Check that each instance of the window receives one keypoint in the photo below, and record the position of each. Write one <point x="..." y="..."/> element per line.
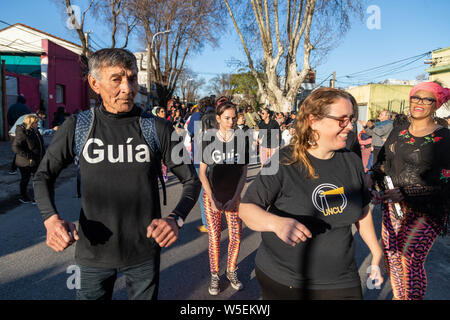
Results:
<point x="60" y="93"/>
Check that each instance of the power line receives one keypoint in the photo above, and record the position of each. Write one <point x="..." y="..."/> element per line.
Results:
<point x="21" y="44"/>
<point x="381" y="71"/>
<point x="388" y="64"/>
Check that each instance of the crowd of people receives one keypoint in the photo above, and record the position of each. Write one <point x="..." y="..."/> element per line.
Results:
<point x="329" y="178"/>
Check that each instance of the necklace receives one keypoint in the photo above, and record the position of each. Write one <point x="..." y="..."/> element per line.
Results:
<point x="222" y="137"/>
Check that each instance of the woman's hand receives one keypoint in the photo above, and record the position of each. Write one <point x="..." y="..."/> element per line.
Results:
<point x="216" y="205"/>
<point x="291" y="231"/>
<point x="377" y="197"/>
<point x="233" y="204"/>
<point x="394" y="195"/>
<point x="375" y="275"/>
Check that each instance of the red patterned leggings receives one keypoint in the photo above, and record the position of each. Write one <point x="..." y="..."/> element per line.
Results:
<point x="406" y="244"/>
<point x="213" y="220"/>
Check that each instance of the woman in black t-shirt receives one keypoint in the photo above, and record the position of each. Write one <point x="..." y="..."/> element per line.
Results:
<point x="223" y="172"/>
<point x="306" y="210"/>
<point x="417" y="158"/>
<point x="268" y="144"/>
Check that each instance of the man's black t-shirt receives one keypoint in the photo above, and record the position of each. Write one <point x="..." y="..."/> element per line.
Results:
<point x="265" y="134"/>
<point x="225" y="162"/>
<point x="119" y="187"/>
<point x="327" y="206"/>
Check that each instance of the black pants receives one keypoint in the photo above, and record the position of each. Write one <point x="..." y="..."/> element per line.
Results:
<point x="142" y="281"/>
<point x="272" y="290"/>
<point x="376" y="151"/>
<point x="25" y="173"/>
<point x="13" y="163"/>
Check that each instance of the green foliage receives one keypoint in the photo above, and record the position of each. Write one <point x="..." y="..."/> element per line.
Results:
<point x="245" y="83"/>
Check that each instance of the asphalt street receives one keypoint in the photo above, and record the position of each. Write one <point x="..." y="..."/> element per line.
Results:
<point x="31" y="270"/>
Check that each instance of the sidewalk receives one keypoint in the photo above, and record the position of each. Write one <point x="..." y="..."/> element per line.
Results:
<point x="9" y="191"/>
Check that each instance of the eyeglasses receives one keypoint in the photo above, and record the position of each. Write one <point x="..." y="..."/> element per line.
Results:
<point x="343" y="121"/>
<point x="425" y="101"/>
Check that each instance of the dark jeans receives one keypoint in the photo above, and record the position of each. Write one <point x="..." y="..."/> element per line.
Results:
<point x="13" y="163"/>
<point x="272" y="290"/>
<point x="142" y="281"/>
<point x="376" y="151"/>
<point x="25" y="176"/>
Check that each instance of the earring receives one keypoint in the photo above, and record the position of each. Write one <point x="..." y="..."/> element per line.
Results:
<point x="311" y="143"/>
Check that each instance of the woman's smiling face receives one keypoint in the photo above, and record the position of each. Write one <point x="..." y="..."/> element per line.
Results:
<point x="420" y="110"/>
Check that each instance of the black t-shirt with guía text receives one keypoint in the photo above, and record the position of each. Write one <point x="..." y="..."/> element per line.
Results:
<point x="327" y="206"/>
<point x="119" y="187"/>
<point x="225" y="161"/>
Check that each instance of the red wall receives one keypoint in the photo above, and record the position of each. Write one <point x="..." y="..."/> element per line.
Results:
<point x="64" y="69"/>
<point x="29" y="87"/>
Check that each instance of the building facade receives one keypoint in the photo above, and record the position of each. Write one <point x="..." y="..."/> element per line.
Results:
<point x="440" y="71"/>
<point x="54" y="62"/>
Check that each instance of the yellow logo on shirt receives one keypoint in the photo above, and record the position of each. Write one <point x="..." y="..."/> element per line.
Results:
<point x="329" y="199"/>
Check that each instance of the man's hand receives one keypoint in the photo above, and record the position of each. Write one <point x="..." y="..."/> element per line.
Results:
<point x="60" y="234"/>
<point x="164" y="231"/>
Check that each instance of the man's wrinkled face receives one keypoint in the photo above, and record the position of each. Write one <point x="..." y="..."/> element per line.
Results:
<point x="117" y="86"/>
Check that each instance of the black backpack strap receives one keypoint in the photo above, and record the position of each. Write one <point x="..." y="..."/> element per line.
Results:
<point x="148" y="128"/>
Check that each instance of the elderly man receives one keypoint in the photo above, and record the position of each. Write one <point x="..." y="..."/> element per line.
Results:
<point x="380" y="132"/>
<point x="120" y="225"/>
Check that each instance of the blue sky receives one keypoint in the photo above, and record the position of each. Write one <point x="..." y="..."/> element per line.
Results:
<point x="408" y="28"/>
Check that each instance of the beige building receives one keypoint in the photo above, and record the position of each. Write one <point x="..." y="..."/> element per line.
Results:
<point x="372" y="98"/>
<point x="440" y="71"/>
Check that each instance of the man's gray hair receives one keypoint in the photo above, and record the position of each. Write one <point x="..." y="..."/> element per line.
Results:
<point x="111" y="57"/>
<point x="388" y="113"/>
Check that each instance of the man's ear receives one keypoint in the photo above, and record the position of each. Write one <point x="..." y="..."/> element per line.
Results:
<point x="94" y="83"/>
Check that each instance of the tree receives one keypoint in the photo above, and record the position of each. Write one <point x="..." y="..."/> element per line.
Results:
<point x="192" y="24"/>
<point x="245" y="83"/>
<point x="220" y="85"/>
<point x="312" y="25"/>
<point x="79" y="25"/>
<point x="114" y="12"/>
<point x="189" y="84"/>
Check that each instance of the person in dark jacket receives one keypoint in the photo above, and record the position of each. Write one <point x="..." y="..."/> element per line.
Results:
<point x="16" y="111"/>
<point x="28" y="146"/>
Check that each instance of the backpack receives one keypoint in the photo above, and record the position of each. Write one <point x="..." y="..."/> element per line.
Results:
<point x="85" y="123"/>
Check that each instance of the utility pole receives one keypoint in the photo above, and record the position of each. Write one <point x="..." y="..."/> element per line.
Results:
<point x="333" y="83"/>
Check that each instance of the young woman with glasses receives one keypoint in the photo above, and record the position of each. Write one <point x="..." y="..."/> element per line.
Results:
<point x="417" y="158"/>
<point x="305" y="211"/>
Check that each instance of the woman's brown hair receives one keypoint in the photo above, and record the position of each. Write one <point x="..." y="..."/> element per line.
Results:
<point x="220" y="109"/>
<point x="317" y="104"/>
